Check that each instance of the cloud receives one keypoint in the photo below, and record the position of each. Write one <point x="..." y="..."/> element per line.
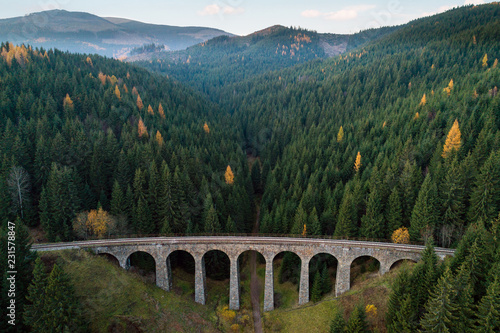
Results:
<point x="476" y="2"/>
<point x="215" y="9"/>
<point x="311" y="13"/>
<point x="346" y="13"/>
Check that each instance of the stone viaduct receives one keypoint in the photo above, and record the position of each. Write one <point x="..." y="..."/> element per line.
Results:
<point x="160" y="248"/>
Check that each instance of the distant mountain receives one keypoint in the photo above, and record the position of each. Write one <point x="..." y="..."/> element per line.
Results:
<point x="87" y="33"/>
<point x="224" y="59"/>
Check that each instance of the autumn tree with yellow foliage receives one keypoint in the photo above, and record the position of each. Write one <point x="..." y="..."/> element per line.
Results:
<point x="67" y="103"/>
<point x="449" y="88"/>
<point x="159" y="138"/>
<point x="229" y="176"/>
<point x="150" y="110"/>
<point x="95" y="223"/>
<point x="340" y="134"/>
<point x="161" y="111"/>
<point x="142" y="129"/>
<point x="453" y="140"/>
<point x="117" y="93"/>
<point x="140" y="106"/>
<point x="206" y="128"/>
<point x="401" y="236"/>
<point x="357" y="163"/>
<point x="423" y="101"/>
<point x="485" y="60"/>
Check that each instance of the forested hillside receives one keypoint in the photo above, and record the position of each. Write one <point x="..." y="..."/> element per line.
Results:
<point x="225" y="60"/>
<point x="365" y="143"/>
<point x="81" y="133"/>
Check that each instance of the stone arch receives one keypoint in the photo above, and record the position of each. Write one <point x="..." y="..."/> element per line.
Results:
<point x="362" y="264"/>
<point x="217" y="267"/>
<point x="110" y="257"/>
<point x="400" y="261"/>
<point x="176" y="261"/>
<point x="143" y="263"/>
<point x="246" y="268"/>
<point x="319" y="262"/>
<point x="287" y="276"/>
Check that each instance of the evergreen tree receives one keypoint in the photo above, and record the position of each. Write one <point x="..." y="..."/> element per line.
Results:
<point x="338" y="324"/>
<point x="357" y="321"/>
<point x="439" y="315"/>
<point x="316" y="287"/>
<point x="34" y="310"/>
<point x="489" y="309"/>
<point x="372" y="224"/>
<point x="326" y="283"/>
<point x="393" y="212"/>
<point x="315" y="224"/>
<point x="346" y="220"/>
<point x="400" y="293"/>
<point x="424" y="215"/>
<point x="117" y="200"/>
<point x="61" y="312"/>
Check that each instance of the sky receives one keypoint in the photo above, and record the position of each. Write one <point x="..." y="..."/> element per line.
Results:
<point x="242" y="17"/>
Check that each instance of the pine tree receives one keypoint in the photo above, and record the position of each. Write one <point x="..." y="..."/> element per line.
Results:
<point x="440" y="308"/>
<point x="346" y="220"/>
<point x="357" y="321"/>
<point x="453" y="140"/>
<point x="316" y="288"/>
<point x="143" y="221"/>
<point x="117" y="200"/>
<point x="299" y="220"/>
<point x="61" y="312"/>
<point x="36" y="297"/>
<point x="485" y="197"/>
<point x="372" y="224"/>
<point x="402" y="322"/>
<point x="393" y="211"/>
<point x="424" y="214"/>
<point x="400" y="291"/>
<point x="326" y="283"/>
<point x="314" y="223"/>
<point x="489" y="309"/>
<point x="452" y="197"/>
<point x="338" y="324"/>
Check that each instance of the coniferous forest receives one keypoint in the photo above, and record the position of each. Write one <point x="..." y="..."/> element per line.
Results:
<point x="400" y="134"/>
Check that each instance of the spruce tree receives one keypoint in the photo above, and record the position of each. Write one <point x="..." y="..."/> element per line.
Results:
<point x="326" y="283"/>
<point x="36" y="298"/>
<point x="489" y="309"/>
<point x="400" y="290"/>
<point x="316" y="287"/>
<point x="338" y="324"/>
<point x="357" y="321"/>
<point x="315" y="224"/>
<point x="424" y="215"/>
<point x="346" y="220"/>
<point x="439" y="315"/>
<point x="393" y="212"/>
<point x="117" y="200"/>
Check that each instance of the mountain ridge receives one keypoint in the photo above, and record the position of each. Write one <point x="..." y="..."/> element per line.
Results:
<point x="83" y="32"/>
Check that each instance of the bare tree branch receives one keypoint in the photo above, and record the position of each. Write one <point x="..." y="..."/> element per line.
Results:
<point x="18" y="182"/>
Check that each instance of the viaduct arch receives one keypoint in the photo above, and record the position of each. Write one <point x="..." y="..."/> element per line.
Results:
<point x="160" y="249"/>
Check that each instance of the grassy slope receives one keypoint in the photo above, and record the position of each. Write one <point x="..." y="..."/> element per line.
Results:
<point x="115" y="301"/>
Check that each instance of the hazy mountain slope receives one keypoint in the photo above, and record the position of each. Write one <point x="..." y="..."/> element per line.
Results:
<point x="224" y="60"/>
<point x="87" y="33"/>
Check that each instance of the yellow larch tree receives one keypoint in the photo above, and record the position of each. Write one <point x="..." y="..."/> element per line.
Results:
<point x="142" y="129"/>
<point x="229" y="176"/>
<point x="205" y="128"/>
<point x="117" y="93"/>
<point x="95" y="223"/>
<point x="384" y="124"/>
<point x="423" y="101"/>
<point x="449" y="88"/>
<point x="134" y="91"/>
<point x="417" y="115"/>
<point x="150" y="110"/>
<point x="67" y="103"/>
<point x="128" y="75"/>
<point x="161" y="111"/>
<point x="159" y="138"/>
<point x="102" y="78"/>
<point x="89" y="61"/>
<point x="453" y="140"/>
<point x="495" y="63"/>
<point x="140" y="106"/>
<point x="125" y="88"/>
<point x="340" y="134"/>
<point x="112" y="79"/>
<point x="357" y="163"/>
<point x="304" y="231"/>
<point x="485" y="60"/>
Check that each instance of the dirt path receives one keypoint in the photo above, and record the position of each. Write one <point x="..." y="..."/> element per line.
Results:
<point x="254" y="281"/>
